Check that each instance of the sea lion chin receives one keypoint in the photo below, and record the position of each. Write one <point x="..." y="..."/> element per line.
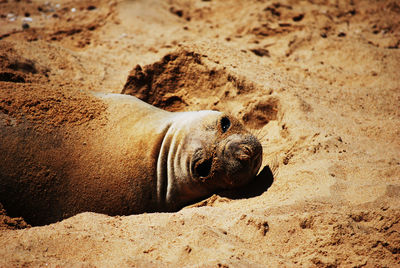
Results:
<point x="143" y="159"/>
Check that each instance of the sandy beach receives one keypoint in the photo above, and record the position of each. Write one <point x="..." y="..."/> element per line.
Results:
<point x="318" y="82"/>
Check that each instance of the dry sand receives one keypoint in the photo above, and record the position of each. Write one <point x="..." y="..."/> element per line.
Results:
<point x="317" y="81"/>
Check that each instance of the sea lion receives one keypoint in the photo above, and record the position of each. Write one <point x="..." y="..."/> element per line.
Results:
<point x="141" y="159"/>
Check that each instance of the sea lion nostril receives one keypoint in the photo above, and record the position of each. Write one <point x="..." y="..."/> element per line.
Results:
<point x="244" y="152"/>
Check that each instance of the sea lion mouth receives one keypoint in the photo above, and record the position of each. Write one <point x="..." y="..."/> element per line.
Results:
<point x="201" y="166"/>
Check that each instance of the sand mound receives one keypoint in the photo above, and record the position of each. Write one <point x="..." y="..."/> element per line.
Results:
<point x="184" y="78"/>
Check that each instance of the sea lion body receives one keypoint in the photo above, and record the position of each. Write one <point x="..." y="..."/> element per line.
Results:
<point x="142" y="159"/>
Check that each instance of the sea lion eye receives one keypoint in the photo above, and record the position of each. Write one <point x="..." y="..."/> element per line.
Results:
<point x="225" y="124"/>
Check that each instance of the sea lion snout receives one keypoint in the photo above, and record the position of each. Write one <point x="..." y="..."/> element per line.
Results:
<point x="243" y="148"/>
<point x="242" y="157"/>
<point x="245" y="151"/>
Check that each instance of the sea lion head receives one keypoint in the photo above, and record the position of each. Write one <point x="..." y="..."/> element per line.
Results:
<point x="224" y="154"/>
<point x="203" y="152"/>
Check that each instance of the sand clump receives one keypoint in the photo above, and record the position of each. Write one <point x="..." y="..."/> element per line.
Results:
<point x="8" y="223"/>
<point x="171" y="82"/>
<point x="317" y="82"/>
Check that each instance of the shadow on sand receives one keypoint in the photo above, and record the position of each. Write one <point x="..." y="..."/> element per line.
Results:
<point x="258" y="186"/>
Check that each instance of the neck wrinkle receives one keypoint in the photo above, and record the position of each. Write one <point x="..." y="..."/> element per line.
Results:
<point x="172" y="173"/>
<point x="162" y="166"/>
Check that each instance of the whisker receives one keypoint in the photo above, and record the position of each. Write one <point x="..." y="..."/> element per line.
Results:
<point x="254" y="131"/>
<point x="262" y="137"/>
<point x="273" y="164"/>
